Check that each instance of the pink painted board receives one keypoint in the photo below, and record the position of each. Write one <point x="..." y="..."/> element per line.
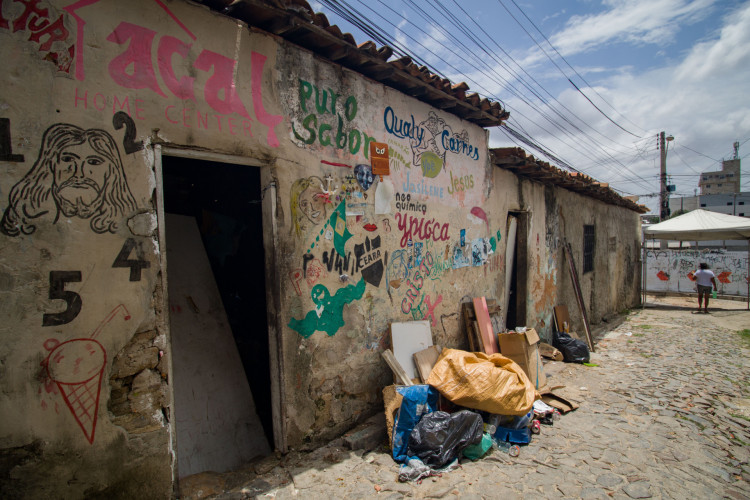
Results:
<point x="489" y="340"/>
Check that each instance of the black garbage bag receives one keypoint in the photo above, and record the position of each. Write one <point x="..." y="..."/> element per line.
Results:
<point x="573" y="350"/>
<point x="440" y="437"/>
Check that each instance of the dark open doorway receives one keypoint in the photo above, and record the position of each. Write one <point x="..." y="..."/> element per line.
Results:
<point x="220" y="204"/>
<point x="516" y="315"/>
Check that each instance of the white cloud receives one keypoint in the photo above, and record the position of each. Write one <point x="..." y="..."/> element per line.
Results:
<point x="702" y="100"/>
<point x="630" y="21"/>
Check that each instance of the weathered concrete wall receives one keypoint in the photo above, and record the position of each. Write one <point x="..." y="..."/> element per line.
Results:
<point x="670" y="270"/>
<point x="407" y="261"/>
<point x="80" y="262"/>
<point x="84" y="354"/>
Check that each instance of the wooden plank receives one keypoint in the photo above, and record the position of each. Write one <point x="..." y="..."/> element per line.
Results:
<point x="425" y="360"/>
<point x="399" y="375"/>
<point x="467" y="310"/>
<point x="487" y="336"/>
<point x="562" y="318"/>
<point x="579" y="296"/>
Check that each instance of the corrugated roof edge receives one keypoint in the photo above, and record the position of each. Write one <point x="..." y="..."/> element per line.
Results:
<point x="517" y="161"/>
<point x="295" y="21"/>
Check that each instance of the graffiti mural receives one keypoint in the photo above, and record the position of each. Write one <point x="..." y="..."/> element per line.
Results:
<point x="307" y="204"/>
<point x="327" y="120"/>
<point x="144" y="52"/>
<point x="369" y="260"/>
<point x="430" y="140"/>
<point x="78" y="173"/>
<point x="671" y="270"/>
<point x="413" y="228"/>
<point x="328" y="314"/>
<point x="73" y="369"/>
<point x="45" y="27"/>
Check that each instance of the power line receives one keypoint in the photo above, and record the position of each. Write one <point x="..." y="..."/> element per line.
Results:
<point x="558" y="67"/>
<point x="358" y="19"/>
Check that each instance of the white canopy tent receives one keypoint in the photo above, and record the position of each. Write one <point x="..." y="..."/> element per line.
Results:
<point x="701" y="225"/>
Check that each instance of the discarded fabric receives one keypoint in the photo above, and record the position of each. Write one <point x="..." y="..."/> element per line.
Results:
<point x="416" y="470"/>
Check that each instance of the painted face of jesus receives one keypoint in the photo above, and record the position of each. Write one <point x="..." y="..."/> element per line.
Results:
<point x="80" y="175"/>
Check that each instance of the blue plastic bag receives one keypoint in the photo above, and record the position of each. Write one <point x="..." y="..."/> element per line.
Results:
<point x="418" y="400"/>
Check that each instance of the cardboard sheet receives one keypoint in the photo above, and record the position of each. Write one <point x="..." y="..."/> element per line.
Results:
<point x="523" y="349"/>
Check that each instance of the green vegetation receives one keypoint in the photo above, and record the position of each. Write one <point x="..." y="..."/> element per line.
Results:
<point x="739" y="415"/>
<point x="644" y="327"/>
<point x="699" y="425"/>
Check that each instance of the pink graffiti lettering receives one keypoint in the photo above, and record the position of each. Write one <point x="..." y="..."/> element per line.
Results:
<point x="417" y="228"/>
<point x="54" y="32"/>
<point x="43" y="32"/>
<point x="30" y="7"/>
<point x="137" y="54"/>
<point x="415" y="284"/>
<point x="168" y="46"/>
<point x="431" y="308"/>
<point x="221" y="82"/>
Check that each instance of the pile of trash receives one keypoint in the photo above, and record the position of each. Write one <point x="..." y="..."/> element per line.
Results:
<point x="466" y="404"/>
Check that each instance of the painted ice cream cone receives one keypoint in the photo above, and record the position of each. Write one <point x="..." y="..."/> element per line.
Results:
<point x="76" y="366"/>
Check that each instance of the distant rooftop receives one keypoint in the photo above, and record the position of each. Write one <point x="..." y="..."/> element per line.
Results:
<point x="517" y="161"/>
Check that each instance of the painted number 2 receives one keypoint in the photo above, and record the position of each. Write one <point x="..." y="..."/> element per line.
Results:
<point x="128" y="142"/>
<point x="57" y="280"/>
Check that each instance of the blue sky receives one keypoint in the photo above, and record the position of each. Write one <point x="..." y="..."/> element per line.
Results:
<point x="681" y="66"/>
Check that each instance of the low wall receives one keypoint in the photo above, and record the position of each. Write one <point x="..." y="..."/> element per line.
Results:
<point x="671" y="270"/>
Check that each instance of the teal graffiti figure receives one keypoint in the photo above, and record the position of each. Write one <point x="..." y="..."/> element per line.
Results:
<point x="328" y="315"/>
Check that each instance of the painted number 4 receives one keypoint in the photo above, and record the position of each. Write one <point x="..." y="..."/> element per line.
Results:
<point x="58" y="279"/>
<point x="136" y="264"/>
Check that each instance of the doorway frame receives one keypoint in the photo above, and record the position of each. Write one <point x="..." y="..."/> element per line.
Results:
<point x="273" y="295"/>
<point x="521" y="263"/>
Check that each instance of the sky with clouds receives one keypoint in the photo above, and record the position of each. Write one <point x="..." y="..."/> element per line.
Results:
<point x="679" y="66"/>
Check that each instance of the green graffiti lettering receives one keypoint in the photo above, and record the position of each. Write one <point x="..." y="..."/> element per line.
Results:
<point x="354" y="141"/>
<point x="334" y="97"/>
<point x="350" y="107"/>
<point x="305" y="92"/>
<point x="340" y="135"/>
<point x="325" y="140"/>
<point x="311" y="118"/>
<point x="321" y="107"/>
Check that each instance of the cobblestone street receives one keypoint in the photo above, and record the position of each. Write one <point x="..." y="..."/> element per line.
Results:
<point x="665" y="414"/>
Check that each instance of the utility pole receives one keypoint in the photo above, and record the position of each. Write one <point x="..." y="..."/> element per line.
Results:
<point x="664" y="198"/>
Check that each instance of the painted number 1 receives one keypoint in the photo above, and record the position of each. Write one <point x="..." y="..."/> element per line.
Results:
<point x="57" y="280"/>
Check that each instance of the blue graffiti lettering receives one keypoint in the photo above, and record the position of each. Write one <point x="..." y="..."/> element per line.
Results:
<point x="402" y="128"/>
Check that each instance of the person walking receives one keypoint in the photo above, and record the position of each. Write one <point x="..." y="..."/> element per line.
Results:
<point x="704" y="278"/>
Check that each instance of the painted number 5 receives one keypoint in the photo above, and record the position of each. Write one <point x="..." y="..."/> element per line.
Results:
<point x="57" y="280"/>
